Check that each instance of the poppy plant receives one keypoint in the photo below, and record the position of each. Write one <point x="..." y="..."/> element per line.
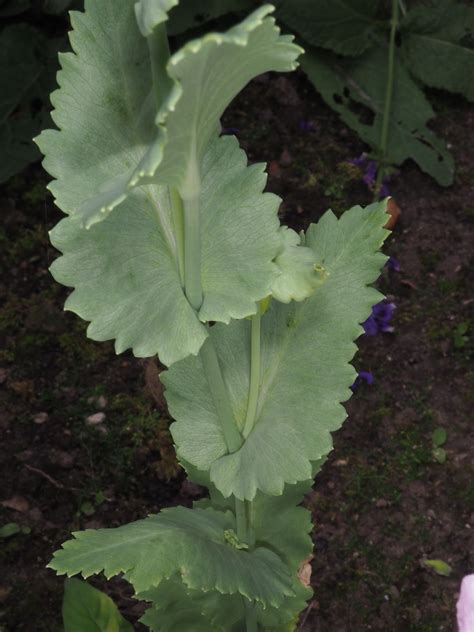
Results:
<point x="173" y="249"/>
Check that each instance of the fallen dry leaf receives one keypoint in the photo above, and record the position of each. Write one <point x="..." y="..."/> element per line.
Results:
<point x="24" y="388"/>
<point x="304" y="572"/>
<point x="18" y="503"/>
<point x="409" y="283"/>
<point x="273" y="169"/>
<point x="394" y="211"/>
<point x="153" y="384"/>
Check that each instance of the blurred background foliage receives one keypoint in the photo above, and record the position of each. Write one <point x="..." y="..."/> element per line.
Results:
<point x="31" y="35"/>
<point x="348" y="43"/>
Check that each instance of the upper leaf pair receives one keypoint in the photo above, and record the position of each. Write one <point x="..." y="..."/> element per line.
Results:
<point x="111" y="139"/>
<point x="106" y="99"/>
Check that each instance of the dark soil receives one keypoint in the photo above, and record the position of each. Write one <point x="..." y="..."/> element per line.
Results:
<point x="382" y="504"/>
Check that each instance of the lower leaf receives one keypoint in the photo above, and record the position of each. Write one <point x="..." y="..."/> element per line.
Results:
<point x="174" y="607"/>
<point x="184" y="541"/>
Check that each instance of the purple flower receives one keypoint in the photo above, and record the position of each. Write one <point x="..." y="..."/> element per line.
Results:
<point x="393" y="265"/>
<point x="363" y="376"/>
<point x="369" y="173"/>
<point x="465" y="605"/>
<point x="379" y="320"/>
<point x="358" y="162"/>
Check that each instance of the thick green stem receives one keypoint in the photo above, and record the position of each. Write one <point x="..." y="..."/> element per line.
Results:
<point x="220" y="395"/>
<point x="241" y="520"/>
<point x="178" y="226"/>
<point x="388" y="99"/>
<point x="254" y="387"/>
<point x="250" y="618"/>
<point x="159" y="50"/>
<point x="243" y="509"/>
<point x="190" y="193"/>
<point x="192" y="252"/>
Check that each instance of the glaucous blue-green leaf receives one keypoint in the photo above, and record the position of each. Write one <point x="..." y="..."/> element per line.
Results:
<point x="343" y="82"/>
<point x="438" y="45"/>
<point x="104" y="109"/>
<point x="299" y="274"/>
<point x="207" y="74"/>
<point x="86" y="609"/>
<point x="305" y="374"/>
<point x="111" y="136"/>
<point x="151" y="13"/>
<point x="125" y="271"/>
<point x="345" y="26"/>
<point x="190" y="542"/>
<point x="277" y="523"/>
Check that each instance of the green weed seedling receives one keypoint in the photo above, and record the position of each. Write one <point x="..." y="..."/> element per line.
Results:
<point x="167" y="232"/>
<point x="438" y="439"/>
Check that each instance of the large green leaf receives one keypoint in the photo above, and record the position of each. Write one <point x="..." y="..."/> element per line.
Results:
<point x="190" y="542"/>
<point x="86" y="609"/>
<point x="278" y="524"/>
<point x="306" y="349"/>
<point x="343" y="82"/>
<point x="151" y="13"/>
<point x="438" y="42"/>
<point x="176" y="608"/>
<point x="345" y="26"/>
<point x="110" y="138"/>
<point x="131" y="260"/>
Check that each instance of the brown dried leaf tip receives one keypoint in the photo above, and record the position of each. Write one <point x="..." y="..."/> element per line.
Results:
<point x="394" y="211"/>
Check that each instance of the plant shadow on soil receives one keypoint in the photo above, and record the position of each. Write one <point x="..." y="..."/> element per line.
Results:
<point x="382" y="503"/>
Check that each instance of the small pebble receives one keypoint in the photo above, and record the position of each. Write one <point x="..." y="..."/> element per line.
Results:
<point x="95" y="419"/>
<point x="40" y="418"/>
<point x="102" y="402"/>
